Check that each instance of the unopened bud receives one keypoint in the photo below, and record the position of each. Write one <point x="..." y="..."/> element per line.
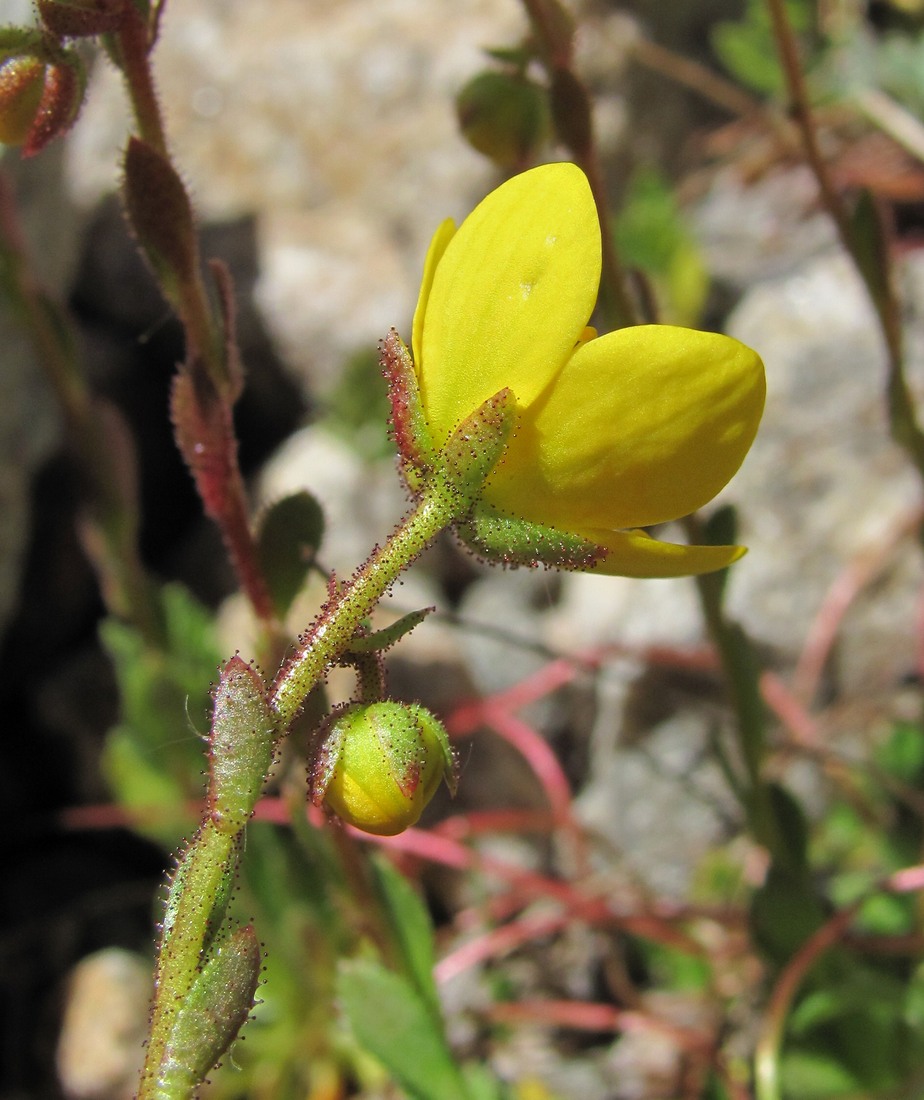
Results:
<point x="40" y="96"/>
<point x="378" y="765"/>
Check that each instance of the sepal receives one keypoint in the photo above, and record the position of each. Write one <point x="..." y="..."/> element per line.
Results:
<point x="507" y="540"/>
<point x="477" y="444"/>
<point x="409" y="425"/>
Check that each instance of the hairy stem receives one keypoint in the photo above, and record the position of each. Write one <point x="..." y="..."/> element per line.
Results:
<point x="331" y="632"/>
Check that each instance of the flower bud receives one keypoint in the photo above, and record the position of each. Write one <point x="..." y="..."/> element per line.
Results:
<point x="22" y="81"/>
<point x="41" y="92"/>
<point x="378" y="765"/>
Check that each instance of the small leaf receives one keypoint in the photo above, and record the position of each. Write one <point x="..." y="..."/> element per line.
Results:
<point x="871" y="246"/>
<point x="160" y="216"/>
<point x="393" y="1022"/>
<point x="785" y="911"/>
<point x="241" y="746"/>
<point x="411" y="928"/>
<point x="389" y="635"/>
<point x="290" y="535"/>
<point x="505" y="116"/>
<point x="153" y="758"/>
<point x="212" y="1013"/>
<point x="817" y="1076"/>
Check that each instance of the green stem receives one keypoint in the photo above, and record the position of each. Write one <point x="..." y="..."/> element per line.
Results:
<point x="206" y="868"/>
<point x="331" y="632"/>
<point x="212" y="857"/>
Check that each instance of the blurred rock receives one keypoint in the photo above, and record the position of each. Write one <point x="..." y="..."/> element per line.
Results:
<point x="336" y="127"/>
<point x="824" y="484"/>
<point x="100" y="1049"/>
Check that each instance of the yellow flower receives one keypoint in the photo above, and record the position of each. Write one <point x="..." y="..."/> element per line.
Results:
<point x="612" y="433"/>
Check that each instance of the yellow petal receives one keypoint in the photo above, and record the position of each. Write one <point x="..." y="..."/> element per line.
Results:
<point x="643" y="425"/>
<point x="635" y="554"/>
<point x="441" y="239"/>
<point x="510" y="295"/>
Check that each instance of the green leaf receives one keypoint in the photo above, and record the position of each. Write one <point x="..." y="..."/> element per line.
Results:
<point x="411" y="927"/>
<point x="396" y="1025"/>
<point x="504" y="116"/>
<point x="902" y="754"/>
<point x="914" y="1001"/>
<point x="816" y="1076"/>
<point x="784" y="913"/>
<point x="241" y="746"/>
<point x="358" y="409"/>
<point x="156" y="800"/>
<point x="290" y="535"/>
<point x="651" y="235"/>
<point x="389" y="635"/>
<point x="153" y="757"/>
<point x="747" y="49"/>
<point x="212" y="1013"/>
<point x="483" y="1085"/>
<point x="858" y="1019"/>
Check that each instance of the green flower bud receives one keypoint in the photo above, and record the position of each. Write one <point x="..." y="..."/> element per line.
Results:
<point x="378" y="765"/>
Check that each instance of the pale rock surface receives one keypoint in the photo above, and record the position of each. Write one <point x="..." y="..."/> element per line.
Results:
<point x="100" y="1048"/>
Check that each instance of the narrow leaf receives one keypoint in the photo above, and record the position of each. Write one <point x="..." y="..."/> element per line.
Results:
<point x="389" y="635"/>
<point x="411" y="928"/>
<point x="160" y="216"/>
<point x="241" y="746"/>
<point x="211" y="1015"/>
<point x="394" y="1023"/>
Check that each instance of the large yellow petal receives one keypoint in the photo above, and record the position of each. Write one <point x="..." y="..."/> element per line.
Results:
<point x="635" y="554"/>
<point x="643" y="425"/>
<point x="510" y="295"/>
<point x="438" y="244"/>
